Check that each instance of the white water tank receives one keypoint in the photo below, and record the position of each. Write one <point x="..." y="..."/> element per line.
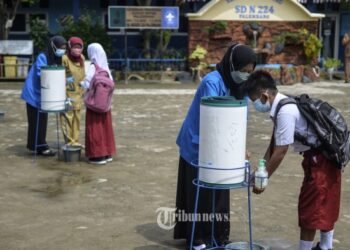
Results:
<point x="53" y="88"/>
<point x="222" y="140"/>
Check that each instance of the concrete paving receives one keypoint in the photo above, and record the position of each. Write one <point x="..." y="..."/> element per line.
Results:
<point x="50" y="204"/>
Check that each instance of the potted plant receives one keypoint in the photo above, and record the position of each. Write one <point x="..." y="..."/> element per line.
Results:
<point x="331" y="64"/>
<point x="198" y="55"/>
<point x="311" y="43"/>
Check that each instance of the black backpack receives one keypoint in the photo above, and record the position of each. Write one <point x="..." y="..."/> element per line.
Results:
<point x="328" y="124"/>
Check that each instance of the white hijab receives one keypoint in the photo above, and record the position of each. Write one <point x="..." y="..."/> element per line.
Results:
<point x="98" y="56"/>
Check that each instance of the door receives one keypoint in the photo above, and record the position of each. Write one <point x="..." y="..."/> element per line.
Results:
<point x="330" y="36"/>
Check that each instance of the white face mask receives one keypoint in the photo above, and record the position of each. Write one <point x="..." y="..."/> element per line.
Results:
<point x="237" y="76"/>
<point x="58" y="52"/>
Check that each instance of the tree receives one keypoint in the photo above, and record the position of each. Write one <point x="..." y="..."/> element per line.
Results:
<point x="8" y="11"/>
<point x="148" y="35"/>
<point x="86" y="28"/>
<point x="39" y="33"/>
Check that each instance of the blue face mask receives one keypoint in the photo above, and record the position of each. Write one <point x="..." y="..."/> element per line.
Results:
<point x="60" y="52"/>
<point x="262" y="107"/>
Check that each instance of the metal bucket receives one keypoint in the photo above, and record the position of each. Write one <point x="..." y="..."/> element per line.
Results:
<point x="245" y="246"/>
<point x="71" y="153"/>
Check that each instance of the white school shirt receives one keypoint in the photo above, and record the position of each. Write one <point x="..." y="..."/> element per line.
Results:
<point x="289" y="120"/>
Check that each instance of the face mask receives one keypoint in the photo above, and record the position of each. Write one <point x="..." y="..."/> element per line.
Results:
<point x="262" y="107"/>
<point x="239" y="77"/>
<point x="76" y="52"/>
<point x="60" y="52"/>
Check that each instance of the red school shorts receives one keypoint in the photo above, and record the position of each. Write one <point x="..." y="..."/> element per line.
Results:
<point x="319" y="199"/>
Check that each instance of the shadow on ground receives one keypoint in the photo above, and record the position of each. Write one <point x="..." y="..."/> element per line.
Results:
<point x="162" y="238"/>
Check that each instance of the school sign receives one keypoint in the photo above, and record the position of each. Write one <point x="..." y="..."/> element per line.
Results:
<point x="254" y="10"/>
<point x="143" y="17"/>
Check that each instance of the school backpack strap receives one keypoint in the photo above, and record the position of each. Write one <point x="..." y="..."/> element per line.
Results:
<point x="292" y="100"/>
<point x="285" y="101"/>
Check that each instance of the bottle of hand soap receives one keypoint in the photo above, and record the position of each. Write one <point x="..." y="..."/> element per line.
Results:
<point x="261" y="175"/>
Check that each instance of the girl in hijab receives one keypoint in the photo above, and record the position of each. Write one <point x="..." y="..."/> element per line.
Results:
<point x="227" y="80"/>
<point x="99" y="136"/>
<point x="73" y="61"/>
<point x="31" y="94"/>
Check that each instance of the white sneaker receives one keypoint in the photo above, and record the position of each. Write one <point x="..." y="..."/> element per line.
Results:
<point x="108" y="158"/>
<point x="200" y="247"/>
<point x="97" y="161"/>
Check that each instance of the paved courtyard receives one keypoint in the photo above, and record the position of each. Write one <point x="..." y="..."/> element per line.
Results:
<point x="50" y="204"/>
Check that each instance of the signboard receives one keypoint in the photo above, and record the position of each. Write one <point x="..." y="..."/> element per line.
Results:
<point x="254" y="10"/>
<point x="16" y="47"/>
<point x="143" y="17"/>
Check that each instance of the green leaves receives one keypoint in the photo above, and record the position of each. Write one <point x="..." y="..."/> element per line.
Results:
<point x="88" y="28"/>
<point x="39" y="33"/>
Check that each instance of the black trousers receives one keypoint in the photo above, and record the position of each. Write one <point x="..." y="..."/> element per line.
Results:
<point x="185" y="201"/>
<point x="32" y="115"/>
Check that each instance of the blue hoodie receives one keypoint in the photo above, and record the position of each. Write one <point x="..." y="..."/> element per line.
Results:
<point x="31" y="92"/>
<point x="188" y="138"/>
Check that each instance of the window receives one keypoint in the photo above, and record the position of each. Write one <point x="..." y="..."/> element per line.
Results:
<point x="19" y="24"/>
<point x="104" y="3"/>
<point x="40" y="4"/>
<point x="22" y="20"/>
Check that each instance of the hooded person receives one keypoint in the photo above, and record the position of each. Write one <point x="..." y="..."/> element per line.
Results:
<point x="99" y="135"/>
<point x="31" y="94"/>
<point x="73" y="62"/>
<point x="227" y="80"/>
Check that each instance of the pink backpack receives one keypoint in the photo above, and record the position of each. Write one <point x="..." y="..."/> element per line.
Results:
<point x="99" y="96"/>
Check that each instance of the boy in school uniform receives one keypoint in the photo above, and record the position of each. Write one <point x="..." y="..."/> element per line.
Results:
<point x="319" y="199"/>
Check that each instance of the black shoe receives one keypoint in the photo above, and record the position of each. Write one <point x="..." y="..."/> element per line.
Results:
<point x="317" y="247"/>
<point x="47" y="152"/>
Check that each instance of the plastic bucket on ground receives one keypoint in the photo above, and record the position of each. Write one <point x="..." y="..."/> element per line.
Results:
<point x="2" y="115"/>
<point x="22" y="66"/>
<point x="245" y="246"/>
<point x="10" y="66"/>
<point x="53" y="88"/>
<point x="222" y="140"/>
<point x="71" y="153"/>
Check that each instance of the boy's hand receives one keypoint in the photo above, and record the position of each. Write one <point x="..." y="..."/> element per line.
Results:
<point x="252" y="182"/>
<point x="258" y="190"/>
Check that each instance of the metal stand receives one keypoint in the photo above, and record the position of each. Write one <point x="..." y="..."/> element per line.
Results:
<point x="245" y="184"/>
<point x="57" y="127"/>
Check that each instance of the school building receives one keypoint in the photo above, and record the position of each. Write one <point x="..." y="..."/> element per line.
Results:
<point x="212" y="23"/>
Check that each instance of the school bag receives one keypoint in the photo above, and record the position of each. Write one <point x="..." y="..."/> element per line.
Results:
<point x="99" y="95"/>
<point x="330" y="127"/>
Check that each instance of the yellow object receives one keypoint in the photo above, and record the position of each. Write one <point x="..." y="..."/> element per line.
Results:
<point x="10" y="66"/>
<point x="70" y="121"/>
<point x="73" y="90"/>
<point x="70" y="124"/>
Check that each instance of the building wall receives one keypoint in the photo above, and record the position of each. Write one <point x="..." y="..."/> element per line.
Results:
<point x="217" y="43"/>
